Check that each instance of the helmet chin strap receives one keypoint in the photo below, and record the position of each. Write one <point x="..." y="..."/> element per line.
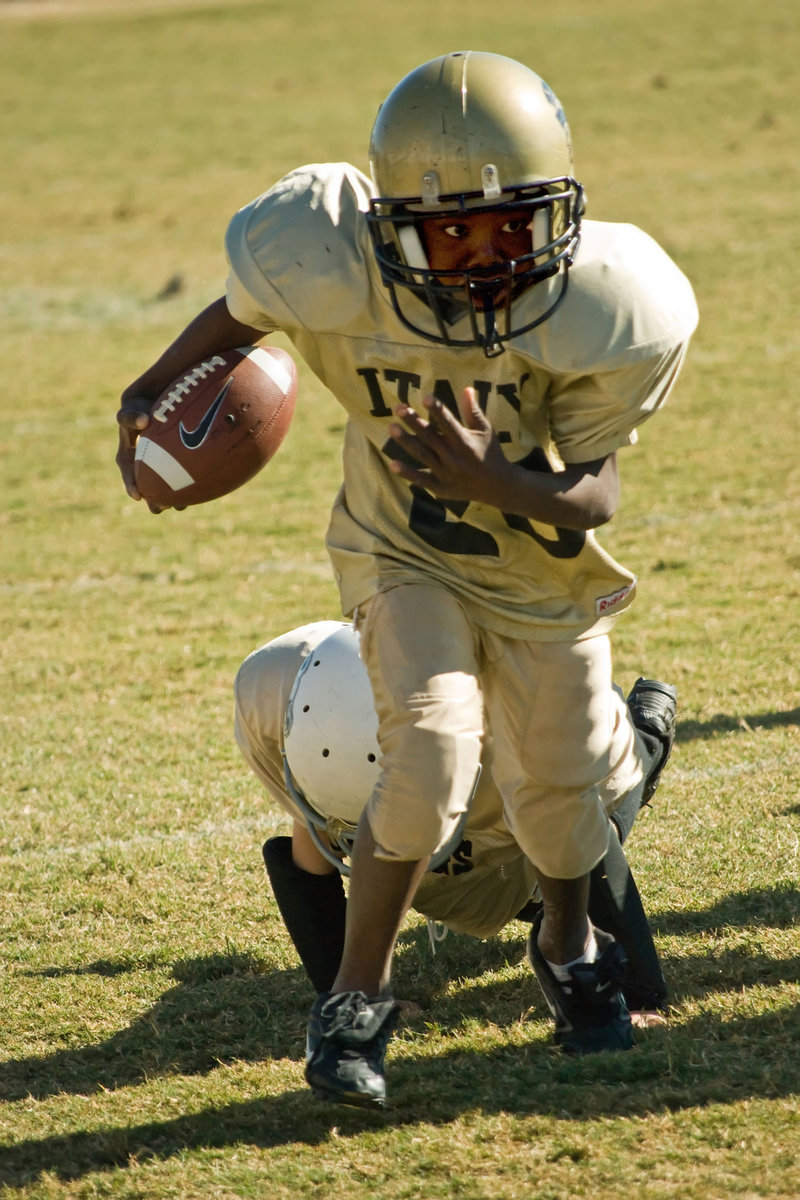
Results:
<point x="492" y="346"/>
<point x="490" y="339"/>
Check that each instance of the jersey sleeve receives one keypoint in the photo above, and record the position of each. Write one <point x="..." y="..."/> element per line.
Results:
<point x="243" y="307"/>
<point x="295" y="253"/>
<point x="619" y="343"/>
<point x="595" y="415"/>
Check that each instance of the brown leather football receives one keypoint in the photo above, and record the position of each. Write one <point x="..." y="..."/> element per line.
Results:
<point x="216" y="426"/>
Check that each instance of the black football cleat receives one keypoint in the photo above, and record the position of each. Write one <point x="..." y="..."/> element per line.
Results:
<point x="345" y="1047"/>
<point x="590" y="1010"/>
<point x="652" y="705"/>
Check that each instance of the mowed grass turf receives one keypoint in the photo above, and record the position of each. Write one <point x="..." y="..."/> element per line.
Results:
<point x="153" y="1008"/>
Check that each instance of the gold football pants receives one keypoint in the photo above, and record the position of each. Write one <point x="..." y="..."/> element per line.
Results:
<point x="564" y="749"/>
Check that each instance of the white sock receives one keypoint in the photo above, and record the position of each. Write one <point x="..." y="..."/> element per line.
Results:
<point x="561" y="970"/>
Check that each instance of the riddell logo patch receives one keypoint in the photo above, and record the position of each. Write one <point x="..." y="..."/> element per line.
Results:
<point x="604" y="603"/>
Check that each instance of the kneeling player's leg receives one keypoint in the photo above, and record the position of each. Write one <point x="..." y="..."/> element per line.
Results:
<point x="313" y="910"/>
<point x="307" y="889"/>
<point x="616" y="906"/>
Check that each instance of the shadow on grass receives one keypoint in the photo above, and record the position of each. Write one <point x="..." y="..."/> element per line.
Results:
<point x="776" y="907"/>
<point x="221" y="1009"/>
<point x="688" y="731"/>
<point x="226" y="1008"/>
<point x="706" y="1062"/>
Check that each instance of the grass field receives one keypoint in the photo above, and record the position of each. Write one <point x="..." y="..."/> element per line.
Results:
<point x="153" y="1010"/>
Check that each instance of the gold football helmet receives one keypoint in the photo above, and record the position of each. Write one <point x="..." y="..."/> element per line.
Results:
<point x="472" y="130"/>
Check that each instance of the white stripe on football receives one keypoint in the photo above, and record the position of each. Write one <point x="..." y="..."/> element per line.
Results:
<point x="162" y="463"/>
<point x="270" y="365"/>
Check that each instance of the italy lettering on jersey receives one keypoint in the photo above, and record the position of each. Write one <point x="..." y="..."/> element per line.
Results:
<point x="572" y="390"/>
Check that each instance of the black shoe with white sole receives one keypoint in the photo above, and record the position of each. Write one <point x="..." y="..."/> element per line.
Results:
<point x="589" y="1010"/>
<point x="346" y="1043"/>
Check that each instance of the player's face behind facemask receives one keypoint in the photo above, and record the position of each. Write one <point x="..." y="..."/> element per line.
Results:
<point x="478" y="246"/>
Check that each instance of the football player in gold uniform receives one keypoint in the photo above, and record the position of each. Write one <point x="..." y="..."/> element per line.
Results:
<point x="493" y="351"/>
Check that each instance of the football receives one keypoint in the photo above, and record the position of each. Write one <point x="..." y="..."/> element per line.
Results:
<point x="216" y="426"/>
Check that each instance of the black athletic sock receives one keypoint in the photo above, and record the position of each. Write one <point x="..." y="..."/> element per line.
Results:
<point x="616" y="906"/>
<point x="313" y="910"/>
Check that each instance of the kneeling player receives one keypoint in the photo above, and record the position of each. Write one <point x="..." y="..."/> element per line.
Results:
<point x="305" y="723"/>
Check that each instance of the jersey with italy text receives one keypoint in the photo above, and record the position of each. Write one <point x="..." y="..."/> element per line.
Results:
<point x="571" y="390"/>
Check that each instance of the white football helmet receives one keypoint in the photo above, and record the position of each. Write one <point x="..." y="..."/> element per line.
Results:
<point x="330" y="749"/>
<point x="463" y="131"/>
